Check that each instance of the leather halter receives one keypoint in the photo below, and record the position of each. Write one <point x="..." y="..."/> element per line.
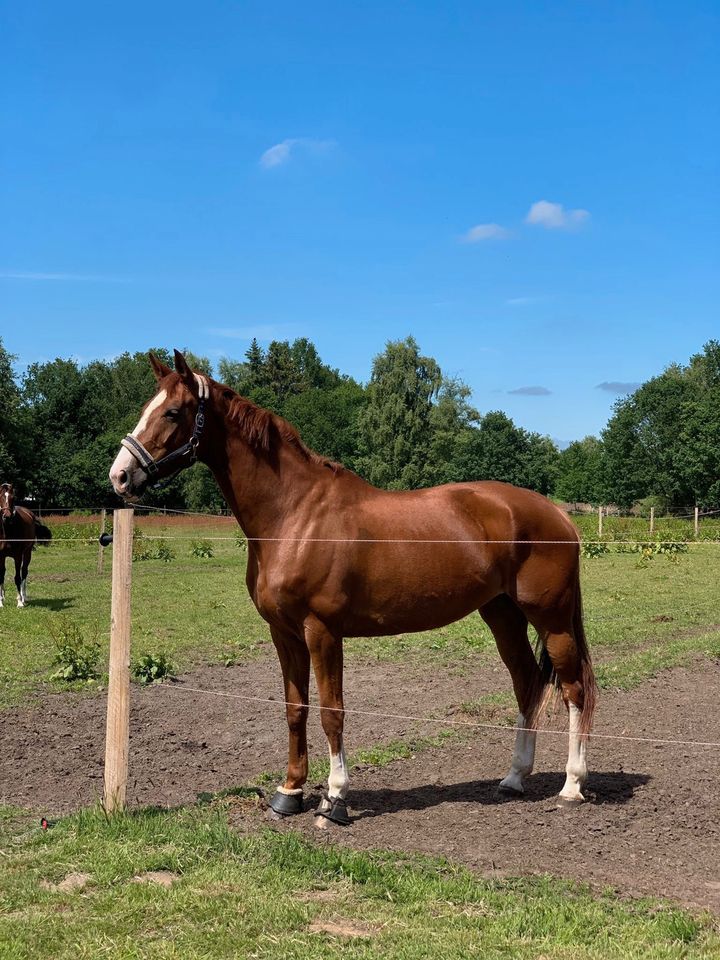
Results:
<point x="177" y="460"/>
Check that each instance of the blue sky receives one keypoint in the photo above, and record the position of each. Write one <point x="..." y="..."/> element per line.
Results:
<point x="530" y="189"/>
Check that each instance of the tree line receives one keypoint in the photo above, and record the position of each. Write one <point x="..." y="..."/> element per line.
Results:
<point x="410" y="426"/>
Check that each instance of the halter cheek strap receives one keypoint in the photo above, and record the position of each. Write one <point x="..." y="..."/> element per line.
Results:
<point x="178" y="459"/>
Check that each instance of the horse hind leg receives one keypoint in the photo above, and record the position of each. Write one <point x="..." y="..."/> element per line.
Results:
<point x="326" y="652"/>
<point x="570" y="658"/>
<point x="2" y="581"/>
<point x="24" y="576"/>
<point x="509" y="627"/>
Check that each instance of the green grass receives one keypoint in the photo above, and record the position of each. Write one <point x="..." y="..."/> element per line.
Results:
<point x="257" y="896"/>
<point x="197" y="610"/>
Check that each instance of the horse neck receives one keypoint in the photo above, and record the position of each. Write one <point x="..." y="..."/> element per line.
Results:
<point x="261" y="488"/>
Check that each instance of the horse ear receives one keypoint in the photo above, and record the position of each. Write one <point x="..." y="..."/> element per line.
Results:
<point x="160" y="369"/>
<point x="182" y="368"/>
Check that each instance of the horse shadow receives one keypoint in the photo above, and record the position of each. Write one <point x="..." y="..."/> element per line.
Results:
<point x="611" y="788"/>
<point x="56" y="604"/>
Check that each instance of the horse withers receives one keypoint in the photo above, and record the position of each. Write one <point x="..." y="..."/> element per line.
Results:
<point x="330" y="556"/>
<point x="20" y="530"/>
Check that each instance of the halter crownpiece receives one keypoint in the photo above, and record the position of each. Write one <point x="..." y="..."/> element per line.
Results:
<point x="184" y="456"/>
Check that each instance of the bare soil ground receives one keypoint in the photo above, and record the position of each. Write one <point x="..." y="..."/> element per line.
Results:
<point x="652" y="825"/>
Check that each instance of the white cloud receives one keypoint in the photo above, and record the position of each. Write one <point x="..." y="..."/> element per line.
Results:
<point x="280" y="153"/>
<point x="485" y="231"/>
<point x="43" y="277"/>
<point x="553" y="216"/>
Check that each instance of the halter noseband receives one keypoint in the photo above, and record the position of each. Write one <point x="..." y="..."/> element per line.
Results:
<point x="184" y="456"/>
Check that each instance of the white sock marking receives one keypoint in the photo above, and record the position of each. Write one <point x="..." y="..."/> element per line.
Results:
<point x="576" y="769"/>
<point x="339" y="779"/>
<point x="523" y="758"/>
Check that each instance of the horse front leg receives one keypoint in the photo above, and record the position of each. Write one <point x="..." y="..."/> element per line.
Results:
<point x="326" y="651"/>
<point x="19" y="580"/>
<point x="2" y="581"/>
<point x="295" y="664"/>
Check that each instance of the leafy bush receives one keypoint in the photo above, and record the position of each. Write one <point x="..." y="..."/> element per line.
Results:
<point x="76" y="657"/>
<point x="163" y="551"/>
<point x="152" y="668"/>
<point x="593" y="549"/>
<point x="157" y="550"/>
<point x="201" y="548"/>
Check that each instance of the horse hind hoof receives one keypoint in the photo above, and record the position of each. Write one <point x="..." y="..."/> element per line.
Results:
<point x="331" y="810"/>
<point x="285" y="805"/>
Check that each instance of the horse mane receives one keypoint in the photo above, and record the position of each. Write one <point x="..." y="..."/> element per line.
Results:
<point x="265" y="431"/>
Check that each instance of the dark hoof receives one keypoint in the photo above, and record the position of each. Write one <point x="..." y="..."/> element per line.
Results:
<point x="285" y="805"/>
<point x="568" y="803"/>
<point x="509" y="793"/>
<point x="333" y="810"/>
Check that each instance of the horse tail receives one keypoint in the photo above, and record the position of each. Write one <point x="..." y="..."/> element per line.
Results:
<point x="43" y="534"/>
<point x="587" y="673"/>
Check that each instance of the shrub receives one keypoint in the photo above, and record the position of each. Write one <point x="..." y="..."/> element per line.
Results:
<point x="201" y="548"/>
<point x="76" y="657"/>
<point x="163" y="551"/>
<point x="152" y="668"/>
<point x="593" y="549"/>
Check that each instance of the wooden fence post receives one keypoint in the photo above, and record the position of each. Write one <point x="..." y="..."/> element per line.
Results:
<point x="697" y="522"/>
<point x="101" y="549"/>
<point x="117" y="740"/>
<point x="600" y="516"/>
<point x="652" y="519"/>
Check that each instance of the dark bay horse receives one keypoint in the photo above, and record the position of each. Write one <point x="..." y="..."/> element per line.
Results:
<point x="330" y="556"/>
<point x="20" y="530"/>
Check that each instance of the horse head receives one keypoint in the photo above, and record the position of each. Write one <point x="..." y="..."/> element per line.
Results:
<point x="7" y="500"/>
<point x="168" y="433"/>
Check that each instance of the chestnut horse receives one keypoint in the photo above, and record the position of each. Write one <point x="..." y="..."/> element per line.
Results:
<point x="330" y="556"/>
<point x="20" y="530"/>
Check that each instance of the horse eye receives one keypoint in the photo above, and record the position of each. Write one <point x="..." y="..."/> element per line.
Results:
<point x="172" y="414"/>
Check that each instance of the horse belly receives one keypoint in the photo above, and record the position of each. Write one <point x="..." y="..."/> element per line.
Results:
<point x="422" y="594"/>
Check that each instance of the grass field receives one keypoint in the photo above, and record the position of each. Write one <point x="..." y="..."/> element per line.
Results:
<point x="278" y="895"/>
<point x="168" y="884"/>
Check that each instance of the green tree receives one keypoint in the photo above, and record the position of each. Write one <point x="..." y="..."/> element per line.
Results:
<point x="394" y="429"/>
<point x="11" y="421"/>
<point x="579" y="472"/>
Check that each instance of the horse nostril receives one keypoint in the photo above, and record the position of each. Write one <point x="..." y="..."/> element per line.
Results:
<point x="122" y="477"/>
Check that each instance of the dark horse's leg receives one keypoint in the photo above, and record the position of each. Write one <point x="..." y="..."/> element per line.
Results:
<point x="295" y="663"/>
<point x="26" y="557"/>
<point x="2" y="580"/>
<point x="326" y="651"/>
<point x="19" y="563"/>
<point x="509" y="626"/>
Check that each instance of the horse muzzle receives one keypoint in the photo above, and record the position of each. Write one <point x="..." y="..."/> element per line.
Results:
<point x="128" y="478"/>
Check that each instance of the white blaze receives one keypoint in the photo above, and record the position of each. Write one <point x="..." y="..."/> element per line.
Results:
<point x="125" y="460"/>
